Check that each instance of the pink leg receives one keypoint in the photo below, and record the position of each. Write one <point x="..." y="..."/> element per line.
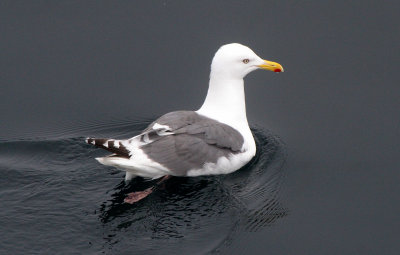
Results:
<point x="134" y="197"/>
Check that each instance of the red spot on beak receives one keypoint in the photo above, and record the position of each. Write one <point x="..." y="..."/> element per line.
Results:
<point x="277" y="70"/>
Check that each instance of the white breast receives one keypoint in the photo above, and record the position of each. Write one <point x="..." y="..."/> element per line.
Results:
<point x="226" y="165"/>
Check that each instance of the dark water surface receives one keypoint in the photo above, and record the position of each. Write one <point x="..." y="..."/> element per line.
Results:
<point x="326" y="176"/>
<point x="57" y="198"/>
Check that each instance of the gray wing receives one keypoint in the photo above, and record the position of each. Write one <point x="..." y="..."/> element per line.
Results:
<point x="190" y="141"/>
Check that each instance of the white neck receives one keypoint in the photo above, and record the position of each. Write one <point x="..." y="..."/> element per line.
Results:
<point x="225" y="101"/>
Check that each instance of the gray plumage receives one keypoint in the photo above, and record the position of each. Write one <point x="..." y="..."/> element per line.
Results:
<point x="185" y="141"/>
<point x="196" y="140"/>
<point x="216" y="139"/>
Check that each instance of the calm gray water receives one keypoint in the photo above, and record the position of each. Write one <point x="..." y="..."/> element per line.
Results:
<point x="325" y="178"/>
<point x="56" y="198"/>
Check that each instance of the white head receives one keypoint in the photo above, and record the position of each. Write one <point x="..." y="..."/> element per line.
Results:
<point x="236" y="61"/>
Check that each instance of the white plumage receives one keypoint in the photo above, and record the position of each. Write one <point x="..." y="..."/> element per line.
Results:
<point x="216" y="139"/>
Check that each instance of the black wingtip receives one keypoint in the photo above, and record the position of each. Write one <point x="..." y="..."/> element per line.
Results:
<point x="94" y="141"/>
<point x="110" y="145"/>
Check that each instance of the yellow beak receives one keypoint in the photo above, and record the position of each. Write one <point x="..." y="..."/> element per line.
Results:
<point x="271" y="66"/>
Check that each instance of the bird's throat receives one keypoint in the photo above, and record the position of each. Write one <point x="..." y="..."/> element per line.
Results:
<point x="225" y="101"/>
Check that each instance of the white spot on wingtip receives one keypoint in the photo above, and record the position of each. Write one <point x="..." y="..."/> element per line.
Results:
<point x="105" y="144"/>
<point x="93" y="142"/>
<point x="116" y="144"/>
<point x="159" y="126"/>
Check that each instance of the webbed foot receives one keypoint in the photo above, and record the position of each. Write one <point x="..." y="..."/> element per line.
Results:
<point x="134" y="197"/>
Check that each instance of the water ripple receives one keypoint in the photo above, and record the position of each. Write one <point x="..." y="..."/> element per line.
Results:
<point x="53" y="183"/>
<point x="196" y="210"/>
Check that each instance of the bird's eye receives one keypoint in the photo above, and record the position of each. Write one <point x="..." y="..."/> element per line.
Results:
<point x="246" y="60"/>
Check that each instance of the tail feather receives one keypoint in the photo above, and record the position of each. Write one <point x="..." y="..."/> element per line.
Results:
<point x="111" y="145"/>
